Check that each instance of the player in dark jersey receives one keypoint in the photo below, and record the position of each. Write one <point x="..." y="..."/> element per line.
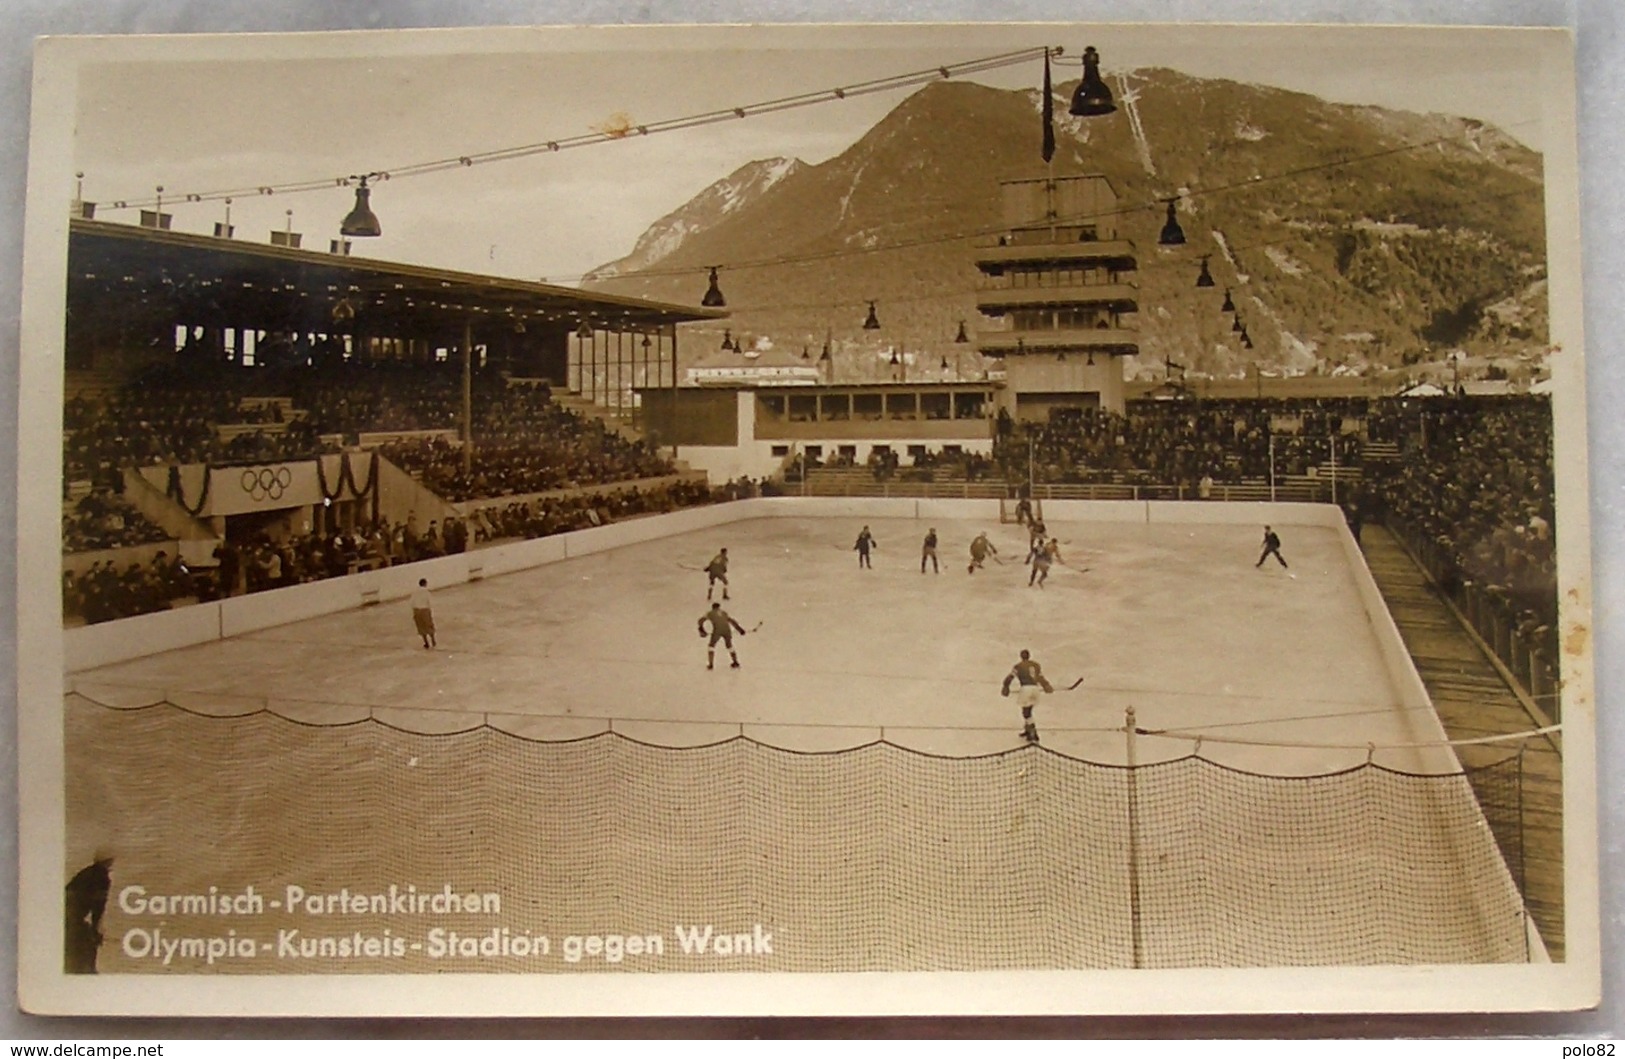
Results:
<point x="717" y="570"/>
<point x="866" y="542"/>
<point x="1024" y="511"/>
<point x="1028" y="676"/>
<point x="929" y="551"/>
<point x="1037" y="529"/>
<point x="722" y="628"/>
<point x="1272" y="546"/>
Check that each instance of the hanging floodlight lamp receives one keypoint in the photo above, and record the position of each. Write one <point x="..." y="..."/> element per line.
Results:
<point x="1091" y="358"/>
<point x="1092" y="98"/>
<point x="646" y="343"/>
<point x="871" y="322"/>
<point x="1246" y="342"/>
<point x="1235" y="325"/>
<point x="361" y="221"/>
<point x="1205" y="278"/>
<point x="962" y="337"/>
<point x="1172" y="233"/>
<point x="895" y="360"/>
<point x="1061" y="356"/>
<point x="944" y="363"/>
<point x="713" y="294"/>
<point x="728" y="341"/>
<point x="584" y="332"/>
<point x="1229" y="306"/>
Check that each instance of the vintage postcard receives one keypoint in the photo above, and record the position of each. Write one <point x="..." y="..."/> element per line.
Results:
<point x="883" y="519"/>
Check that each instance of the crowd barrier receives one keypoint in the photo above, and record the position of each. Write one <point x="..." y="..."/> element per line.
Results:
<point x="1529" y="663"/>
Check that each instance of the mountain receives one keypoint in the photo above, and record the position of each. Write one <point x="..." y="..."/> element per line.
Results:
<point x="1348" y="235"/>
<point x="736" y="191"/>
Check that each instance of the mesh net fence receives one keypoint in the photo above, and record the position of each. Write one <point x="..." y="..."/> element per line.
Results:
<point x="621" y="854"/>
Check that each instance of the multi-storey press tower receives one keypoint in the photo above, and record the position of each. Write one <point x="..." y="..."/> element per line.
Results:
<point x="1059" y="291"/>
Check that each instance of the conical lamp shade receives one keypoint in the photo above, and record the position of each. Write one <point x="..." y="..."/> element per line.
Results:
<point x="1092" y="98"/>
<point x="1172" y="233"/>
<point x="713" y="294"/>
<point x="361" y="221"/>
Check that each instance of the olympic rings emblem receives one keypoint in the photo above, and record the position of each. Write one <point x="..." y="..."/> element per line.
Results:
<point x="267" y="483"/>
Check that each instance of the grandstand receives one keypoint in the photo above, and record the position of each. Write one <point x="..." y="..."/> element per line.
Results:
<point x="211" y="447"/>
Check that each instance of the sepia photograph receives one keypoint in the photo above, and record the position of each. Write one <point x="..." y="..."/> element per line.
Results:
<point x="1017" y="518"/>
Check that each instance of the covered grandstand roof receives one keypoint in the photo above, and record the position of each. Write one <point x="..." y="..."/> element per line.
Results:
<point x="199" y="278"/>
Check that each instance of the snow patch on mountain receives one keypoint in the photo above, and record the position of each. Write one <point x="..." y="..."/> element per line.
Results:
<point x="1246" y="130"/>
<point x="1224" y="248"/>
<point x="1283" y="261"/>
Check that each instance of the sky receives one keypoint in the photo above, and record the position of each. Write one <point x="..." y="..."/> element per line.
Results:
<point x="199" y="114"/>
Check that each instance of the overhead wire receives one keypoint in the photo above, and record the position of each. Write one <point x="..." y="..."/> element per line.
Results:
<point x="615" y="133"/>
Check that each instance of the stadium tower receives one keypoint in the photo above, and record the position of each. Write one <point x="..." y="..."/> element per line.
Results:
<point x="1057" y="287"/>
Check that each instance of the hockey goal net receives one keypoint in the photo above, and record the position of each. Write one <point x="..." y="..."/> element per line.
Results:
<point x="1010" y="510"/>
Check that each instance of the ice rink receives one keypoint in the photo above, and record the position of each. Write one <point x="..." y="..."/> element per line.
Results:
<point x="977" y="853"/>
<point x="1172" y="619"/>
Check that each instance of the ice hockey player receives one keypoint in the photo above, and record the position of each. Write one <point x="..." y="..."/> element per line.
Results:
<point x="1028" y="676"/>
<point x="1044" y="555"/>
<point x="722" y="628"/>
<point x="1272" y="546"/>
<point x="717" y="570"/>
<point x="929" y="551"/>
<point x="980" y="549"/>
<point x="866" y="541"/>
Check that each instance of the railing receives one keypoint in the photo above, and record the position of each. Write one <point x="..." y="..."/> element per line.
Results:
<point x="1530" y="664"/>
<point x="862" y="483"/>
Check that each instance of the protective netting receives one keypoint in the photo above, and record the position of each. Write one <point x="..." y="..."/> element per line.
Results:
<point x="875" y="858"/>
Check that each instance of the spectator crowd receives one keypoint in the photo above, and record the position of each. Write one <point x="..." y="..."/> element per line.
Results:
<point x="103" y="519"/>
<point x="525" y="442"/>
<point x="106" y="590"/>
<point x="1476" y="488"/>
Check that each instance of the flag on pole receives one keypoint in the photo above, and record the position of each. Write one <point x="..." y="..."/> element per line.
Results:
<point x="1049" y="113"/>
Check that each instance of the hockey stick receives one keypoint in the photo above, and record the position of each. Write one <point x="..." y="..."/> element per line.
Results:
<point x="758" y="626"/>
<point x="691" y="569"/>
<point x="1074" y="685"/>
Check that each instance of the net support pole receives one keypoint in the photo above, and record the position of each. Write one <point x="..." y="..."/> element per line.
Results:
<point x="1334" y="468"/>
<point x="468" y="396"/>
<point x="1135" y="929"/>
<point x="1272" y="468"/>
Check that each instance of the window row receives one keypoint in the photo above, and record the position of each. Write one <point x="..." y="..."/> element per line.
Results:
<point x="840" y="407"/>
